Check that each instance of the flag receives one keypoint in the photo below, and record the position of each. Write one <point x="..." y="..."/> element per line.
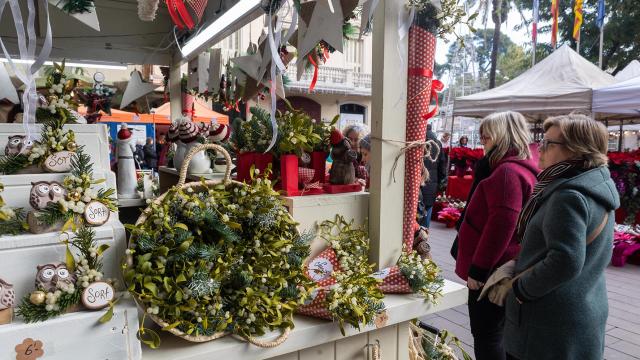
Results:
<point x="577" y="22"/>
<point x="600" y="17"/>
<point x="555" y="7"/>
<point x="534" y="30"/>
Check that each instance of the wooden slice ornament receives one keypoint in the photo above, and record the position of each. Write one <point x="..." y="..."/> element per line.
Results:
<point x="59" y="162"/>
<point x="98" y="295"/>
<point x="96" y="213"/>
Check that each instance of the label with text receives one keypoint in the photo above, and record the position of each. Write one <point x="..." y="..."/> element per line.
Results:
<point x="59" y="162"/>
<point x="96" y="213"/>
<point x="97" y="295"/>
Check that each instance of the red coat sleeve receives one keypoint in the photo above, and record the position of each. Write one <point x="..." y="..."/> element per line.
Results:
<point x="505" y="194"/>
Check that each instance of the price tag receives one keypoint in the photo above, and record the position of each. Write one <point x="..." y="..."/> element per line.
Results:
<point x="59" y="162"/>
<point x="319" y="269"/>
<point x="96" y="213"/>
<point x="29" y="349"/>
<point x="382" y="274"/>
<point x="97" y="295"/>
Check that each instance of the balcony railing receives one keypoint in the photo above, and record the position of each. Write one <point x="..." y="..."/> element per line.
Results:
<point x="331" y="80"/>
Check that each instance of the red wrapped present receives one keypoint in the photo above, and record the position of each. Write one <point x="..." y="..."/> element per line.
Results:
<point x="243" y="166"/>
<point x="289" y="174"/>
<point x="393" y="282"/>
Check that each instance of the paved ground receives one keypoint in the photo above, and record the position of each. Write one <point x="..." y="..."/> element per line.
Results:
<point x="623" y="284"/>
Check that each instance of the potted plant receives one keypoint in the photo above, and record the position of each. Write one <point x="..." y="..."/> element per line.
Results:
<point x="321" y="150"/>
<point x="250" y="139"/>
<point x="296" y="136"/>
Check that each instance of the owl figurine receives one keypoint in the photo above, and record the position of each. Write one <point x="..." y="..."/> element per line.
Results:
<point x="7" y="295"/>
<point x="44" y="192"/>
<point x="18" y="144"/>
<point x="50" y="275"/>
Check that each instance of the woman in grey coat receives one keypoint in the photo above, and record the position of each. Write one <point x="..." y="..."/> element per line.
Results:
<point x="558" y="307"/>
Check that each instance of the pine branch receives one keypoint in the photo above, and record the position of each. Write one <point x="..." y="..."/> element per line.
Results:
<point x="81" y="164"/>
<point x="35" y="313"/>
<point x="78" y="6"/>
<point x="12" y="164"/>
<point x="53" y="214"/>
<point x="15" y="225"/>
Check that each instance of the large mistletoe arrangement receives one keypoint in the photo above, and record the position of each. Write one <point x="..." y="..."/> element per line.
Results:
<point x="71" y="208"/>
<point x="86" y="267"/>
<point x="253" y="134"/>
<point x="226" y="258"/>
<point x="53" y="139"/>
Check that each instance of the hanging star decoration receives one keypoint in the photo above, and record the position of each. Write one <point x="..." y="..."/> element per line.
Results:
<point x="325" y="25"/>
<point x="136" y="88"/>
<point x="82" y="10"/>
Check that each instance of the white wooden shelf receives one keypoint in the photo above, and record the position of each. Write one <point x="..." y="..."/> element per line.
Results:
<point x="132" y="202"/>
<point x="21" y="254"/>
<point x="308" y="332"/>
<point x="78" y="335"/>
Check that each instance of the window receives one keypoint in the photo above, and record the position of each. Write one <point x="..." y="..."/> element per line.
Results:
<point x="353" y="54"/>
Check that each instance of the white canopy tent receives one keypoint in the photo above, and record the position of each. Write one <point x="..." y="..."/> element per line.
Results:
<point x="621" y="98"/>
<point x="629" y="72"/>
<point x="559" y="84"/>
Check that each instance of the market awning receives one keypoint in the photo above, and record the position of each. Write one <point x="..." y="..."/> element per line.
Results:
<point x="202" y="113"/>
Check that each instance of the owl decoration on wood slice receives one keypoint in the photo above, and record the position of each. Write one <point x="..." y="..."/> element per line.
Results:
<point x="44" y="192"/>
<point x="7" y="295"/>
<point x="18" y="144"/>
<point x="50" y="275"/>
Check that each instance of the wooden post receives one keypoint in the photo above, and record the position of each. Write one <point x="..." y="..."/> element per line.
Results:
<point x="175" y="87"/>
<point x="388" y="122"/>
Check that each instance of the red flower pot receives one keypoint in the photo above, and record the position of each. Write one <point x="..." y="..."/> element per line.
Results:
<point x="262" y="162"/>
<point x="319" y="164"/>
<point x="243" y="166"/>
<point x="289" y="174"/>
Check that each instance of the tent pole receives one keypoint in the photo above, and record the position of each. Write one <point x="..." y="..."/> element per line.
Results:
<point x="620" y="138"/>
<point x="451" y="136"/>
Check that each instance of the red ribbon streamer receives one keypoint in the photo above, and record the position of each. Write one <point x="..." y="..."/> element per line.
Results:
<point x="315" y="73"/>
<point x="184" y="14"/>
<point x="436" y="86"/>
<point x="174" y="14"/>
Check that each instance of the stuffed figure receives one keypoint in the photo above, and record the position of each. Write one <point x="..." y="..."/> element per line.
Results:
<point x="342" y="170"/>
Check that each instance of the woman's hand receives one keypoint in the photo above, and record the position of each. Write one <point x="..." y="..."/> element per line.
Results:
<point x="474" y="284"/>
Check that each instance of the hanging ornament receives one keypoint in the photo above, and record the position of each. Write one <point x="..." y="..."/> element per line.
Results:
<point x="82" y="10"/>
<point x="147" y="9"/>
<point x="136" y="88"/>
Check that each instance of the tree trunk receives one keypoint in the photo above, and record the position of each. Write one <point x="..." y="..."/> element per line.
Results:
<point x="496" y="16"/>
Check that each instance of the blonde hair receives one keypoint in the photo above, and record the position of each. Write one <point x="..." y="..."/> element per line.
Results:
<point x="509" y="132"/>
<point x="586" y="138"/>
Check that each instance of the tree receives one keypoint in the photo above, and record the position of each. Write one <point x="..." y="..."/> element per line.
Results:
<point x="512" y="63"/>
<point x="621" y="40"/>
<point x="498" y="16"/>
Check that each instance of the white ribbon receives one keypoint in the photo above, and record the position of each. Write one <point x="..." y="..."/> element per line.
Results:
<point x="331" y="6"/>
<point x="27" y="51"/>
<point x="405" y="19"/>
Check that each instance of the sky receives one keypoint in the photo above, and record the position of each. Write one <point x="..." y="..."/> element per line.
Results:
<point x="521" y="37"/>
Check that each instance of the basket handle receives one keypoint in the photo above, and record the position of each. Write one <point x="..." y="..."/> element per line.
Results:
<point x="270" y="344"/>
<point x="192" y="153"/>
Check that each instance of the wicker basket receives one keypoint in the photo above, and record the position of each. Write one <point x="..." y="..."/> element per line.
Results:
<point x="202" y="186"/>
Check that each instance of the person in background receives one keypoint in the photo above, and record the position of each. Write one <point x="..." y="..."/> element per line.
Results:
<point x="438" y="174"/>
<point x="354" y="133"/>
<point x="464" y="141"/>
<point x="139" y="153"/>
<point x="557" y="308"/>
<point x="363" y="171"/>
<point x="445" y="139"/>
<point x="150" y="155"/>
<point x="487" y="236"/>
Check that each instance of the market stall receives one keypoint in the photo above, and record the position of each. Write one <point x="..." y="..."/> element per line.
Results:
<point x="239" y="267"/>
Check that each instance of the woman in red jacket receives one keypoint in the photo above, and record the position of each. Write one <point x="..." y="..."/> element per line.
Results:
<point x="487" y="237"/>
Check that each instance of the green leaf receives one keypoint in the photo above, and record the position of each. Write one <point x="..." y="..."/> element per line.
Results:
<point x="102" y="248"/>
<point x="171" y="326"/>
<point x="69" y="259"/>
<point x="181" y="226"/>
<point x="107" y="316"/>
<point x="151" y="287"/>
<point x="152" y="339"/>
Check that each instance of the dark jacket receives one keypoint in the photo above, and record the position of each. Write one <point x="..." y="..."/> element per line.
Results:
<point x="150" y="156"/>
<point x="487" y="236"/>
<point x="565" y="305"/>
<point x="139" y="154"/>
<point x="437" y="173"/>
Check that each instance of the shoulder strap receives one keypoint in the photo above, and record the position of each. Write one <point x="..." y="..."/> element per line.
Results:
<point x="594" y="234"/>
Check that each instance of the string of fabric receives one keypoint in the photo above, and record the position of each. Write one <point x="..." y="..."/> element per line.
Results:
<point x="426" y="145"/>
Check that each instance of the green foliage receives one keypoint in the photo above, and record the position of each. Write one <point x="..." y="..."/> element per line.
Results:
<point x="12" y="164"/>
<point x="13" y="225"/>
<point x="78" y="6"/>
<point x="53" y="214"/>
<point x="323" y="130"/>
<point x="252" y="135"/>
<point x="296" y="132"/>
<point x="35" y="313"/>
<point x="219" y="259"/>
<point x="423" y="275"/>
